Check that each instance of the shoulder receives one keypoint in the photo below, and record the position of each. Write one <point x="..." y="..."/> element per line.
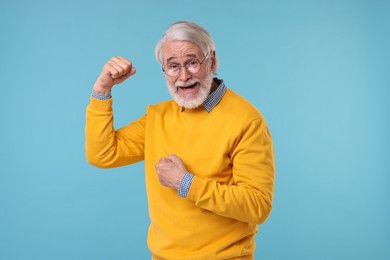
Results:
<point x="237" y="107"/>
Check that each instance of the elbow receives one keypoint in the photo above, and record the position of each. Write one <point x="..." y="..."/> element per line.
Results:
<point x="263" y="215"/>
<point x="93" y="160"/>
<point x="264" y="209"/>
<point x="96" y="160"/>
<point x="109" y="159"/>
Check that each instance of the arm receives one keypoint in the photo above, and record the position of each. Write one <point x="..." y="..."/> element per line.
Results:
<point x="250" y="198"/>
<point x="106" y="147"/>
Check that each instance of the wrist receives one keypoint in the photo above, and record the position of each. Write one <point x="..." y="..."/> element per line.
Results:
<point x="101" y="90"/>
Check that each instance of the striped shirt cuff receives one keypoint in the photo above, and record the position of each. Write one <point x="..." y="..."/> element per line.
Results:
<point x="101" y="96"/>
<point x="185" y="184"/>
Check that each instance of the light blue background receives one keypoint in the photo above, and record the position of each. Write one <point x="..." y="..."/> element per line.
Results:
<point x="318" y="70"/>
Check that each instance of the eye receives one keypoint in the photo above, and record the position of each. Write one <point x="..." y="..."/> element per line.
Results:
<point x="172" y="66"/>
<point x="193" y="63"/>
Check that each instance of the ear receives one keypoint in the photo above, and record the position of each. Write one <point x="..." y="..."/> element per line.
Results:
<point x="213" y="58"/>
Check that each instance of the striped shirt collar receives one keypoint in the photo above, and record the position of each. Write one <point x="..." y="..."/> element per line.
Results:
<point x="213" y="99"/>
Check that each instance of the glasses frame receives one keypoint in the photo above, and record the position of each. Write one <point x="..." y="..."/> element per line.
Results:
<point x="185" y="66"/>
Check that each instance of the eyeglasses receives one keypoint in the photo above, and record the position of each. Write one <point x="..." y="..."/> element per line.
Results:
<point x="192" y="66"/>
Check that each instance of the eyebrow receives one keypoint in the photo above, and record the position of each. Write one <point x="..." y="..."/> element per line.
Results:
<point x="188" y="56"/>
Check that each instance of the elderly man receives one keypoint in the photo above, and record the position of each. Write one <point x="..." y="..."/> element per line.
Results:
<point x="208" y="153"/>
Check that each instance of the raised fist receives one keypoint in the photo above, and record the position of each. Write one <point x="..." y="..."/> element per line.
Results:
<point x="115" y="71"/>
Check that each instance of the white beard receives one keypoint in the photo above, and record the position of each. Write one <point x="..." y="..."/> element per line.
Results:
<point x="190" y="101"/>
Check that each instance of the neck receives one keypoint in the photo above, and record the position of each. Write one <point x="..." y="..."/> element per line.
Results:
<point x="214" y="86"/>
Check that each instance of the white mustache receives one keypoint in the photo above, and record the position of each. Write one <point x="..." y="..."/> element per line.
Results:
<point x="182" y="84"/>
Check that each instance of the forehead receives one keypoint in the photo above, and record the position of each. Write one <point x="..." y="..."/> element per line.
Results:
<point x="180" y="50"/>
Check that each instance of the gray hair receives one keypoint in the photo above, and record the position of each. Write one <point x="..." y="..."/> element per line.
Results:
<point x="186" y="31"/>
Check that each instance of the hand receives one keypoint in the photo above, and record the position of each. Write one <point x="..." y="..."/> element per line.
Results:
<point x="115" y="71"/>
<point x="170" y="171"/>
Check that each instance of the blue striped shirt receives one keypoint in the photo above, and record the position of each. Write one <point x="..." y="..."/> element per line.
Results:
<point x="213" y="99"/>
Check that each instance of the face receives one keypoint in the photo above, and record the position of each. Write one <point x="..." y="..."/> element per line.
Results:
<point x="187" y="89"/>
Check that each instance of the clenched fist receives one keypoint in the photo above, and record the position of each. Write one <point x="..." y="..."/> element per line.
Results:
<point x="115" y="71"/>
<point x="170" y="171"/>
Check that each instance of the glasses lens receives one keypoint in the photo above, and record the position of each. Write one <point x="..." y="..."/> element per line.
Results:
<point x="193" y="66"/>
<point x="171" y="69"/>
<point x="172" y="72"/>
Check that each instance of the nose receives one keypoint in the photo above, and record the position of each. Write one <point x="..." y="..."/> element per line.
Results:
<point x="184" y="74"/>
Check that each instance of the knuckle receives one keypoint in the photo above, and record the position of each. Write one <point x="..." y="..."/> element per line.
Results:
<point x="128" y="68"/>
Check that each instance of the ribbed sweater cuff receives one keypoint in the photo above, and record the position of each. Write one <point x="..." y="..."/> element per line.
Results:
<point x="196" y="187"/>
<point x="100" y="105"/>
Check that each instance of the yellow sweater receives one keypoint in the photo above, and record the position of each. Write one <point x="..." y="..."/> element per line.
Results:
<point x="230" y="153"/>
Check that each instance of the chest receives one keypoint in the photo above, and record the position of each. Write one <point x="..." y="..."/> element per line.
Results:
<point x="200" y="140"/>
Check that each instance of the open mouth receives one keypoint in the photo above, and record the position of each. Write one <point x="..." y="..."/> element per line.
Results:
<point x="190" y="86"/>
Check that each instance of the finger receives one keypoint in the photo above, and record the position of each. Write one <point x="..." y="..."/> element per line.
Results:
<point x="162" y="161"/>
<point x="121" y="67"/>
<point x="116" y="69"/>
<point x="174" y="158"/>
<point x="122" y="63"/>
<point x="123" y="60"/>
<point x="111" y="70"/>
<point x="129" y="70"/>
<point x="132" y="71"/>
